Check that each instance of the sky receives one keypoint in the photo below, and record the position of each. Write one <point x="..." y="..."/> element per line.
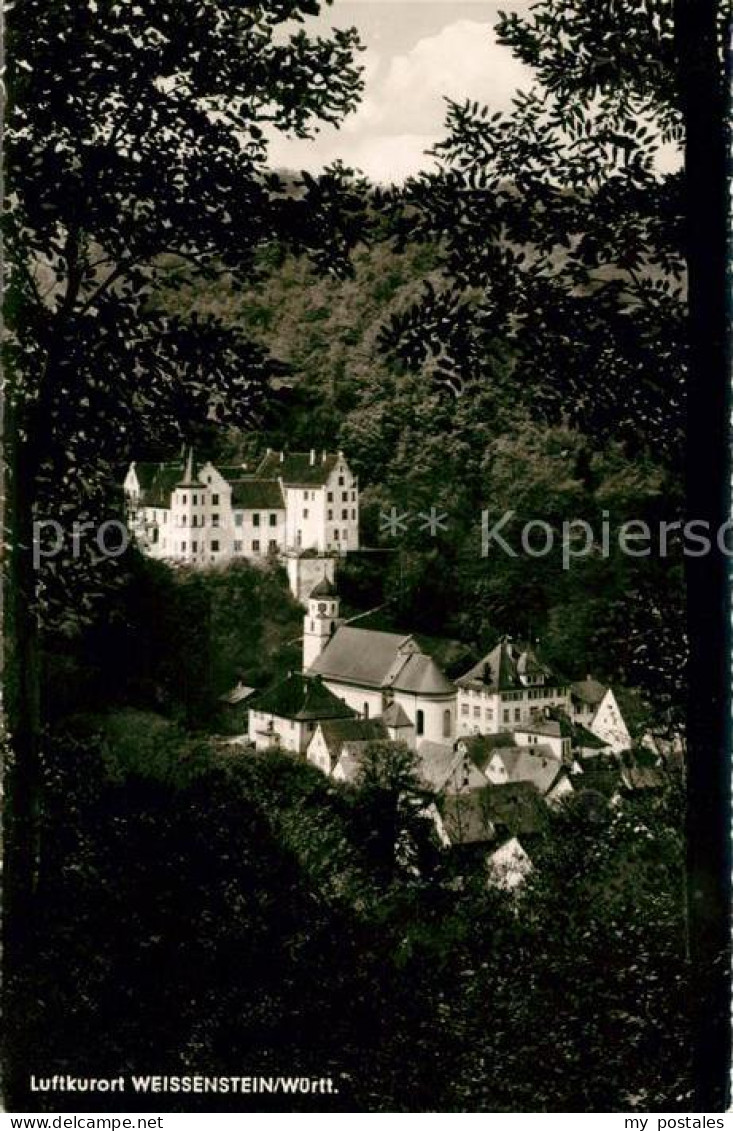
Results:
<point x="417" y="52"/>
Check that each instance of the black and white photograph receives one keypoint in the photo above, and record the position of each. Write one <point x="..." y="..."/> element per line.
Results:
<point x="367" y="557"/>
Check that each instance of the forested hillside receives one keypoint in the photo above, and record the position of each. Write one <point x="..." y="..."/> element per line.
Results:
<point x="483" y="447"/>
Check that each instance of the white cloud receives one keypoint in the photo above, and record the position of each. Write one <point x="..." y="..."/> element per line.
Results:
<point x="462" y="61"/>
<point x="403" y="110"/>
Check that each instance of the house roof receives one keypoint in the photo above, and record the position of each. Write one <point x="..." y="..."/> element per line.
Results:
<point x="257" y="494"/>
<point x="296" y="468"/>
<point x="238" y="694"/>
<point x="480" y="747"/>
<point x="589" y="691"/>
<point x="636" y="777"/>
<point x="395" y="716"/>
<point x="337" y="732"/>
<point x="495" y="672"/>
<point x="466" y="818"/>
<point x="441" y="766"/>
<point x="516" y="807"/>
<point x="380" y="659"/>
<point x="550" y="728"/>
<point x="302" y="697"/>
<point x="535" y="764"/>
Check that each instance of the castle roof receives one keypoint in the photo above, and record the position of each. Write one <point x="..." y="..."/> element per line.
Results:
<point x="375" y="659"/>
<point x="257" y="494"/>
<point x="302" y="697"/>
<point x="157" y="482"/>
<point x="296" y="468"/>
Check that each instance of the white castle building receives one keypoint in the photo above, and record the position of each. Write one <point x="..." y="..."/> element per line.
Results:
<point x="289" y="503"/>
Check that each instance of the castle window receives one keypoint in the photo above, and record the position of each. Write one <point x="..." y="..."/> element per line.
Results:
<point x="272" y="545"/>
<point x="195" y="500"/>
<point x="215" y="520"/>
<point x="335" y="535"/>
<point x="353" y="516"/>
<point x="255" y="519"/>
<point x="477" y="712"/>
<point x="255" y="547"/>
<point x="446" y="724"/>
<point x="341" y="480"/>
<point x="273" y="520"/>
<point x="353" y="496"/>
<point x="238" y="518"/>
<point x="183" y="520"/>
<point x="344" y="516"/>
<point x="194" y="520"/>
<point x="237" y="547"/>
<point x="329" y="497"/>
<point x="305" y="513"/>
<point x="344" y="496"/>
<point x="330" y="516"/>
<point x="464" y="708"/>
<point x="366" y="710"/>
<point x="184" y="496"/>
<point x="215" y="499"/>
<point x="489" y="715"/>
<point x="517" y="714"/>
<point x="215" y="545"/>
<point x="183" y="547"/>
<point x="194" y="546"/>
<point x="506" y="714"/>
<point x="420" y="728"/>
<point x="346" y="536"/>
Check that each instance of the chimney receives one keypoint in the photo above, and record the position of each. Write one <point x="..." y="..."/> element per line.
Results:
<point x="313" y="456"/>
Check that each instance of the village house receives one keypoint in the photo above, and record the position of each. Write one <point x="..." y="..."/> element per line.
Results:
<point x="595" y="706"/>
<point x="333" y="736"/>
<point x="507" y="687"/>
<point x="286" y="716"/>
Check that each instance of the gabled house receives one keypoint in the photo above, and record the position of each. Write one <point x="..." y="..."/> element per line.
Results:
<point x="286" y="716"/>
<point x="595" y="706"/>
<point x="332" y="736"/>
<point x="534" y="764"/>
<point x="509" y="686"/>
<point x="444" y="769"/>
<point x="508" y="865"/>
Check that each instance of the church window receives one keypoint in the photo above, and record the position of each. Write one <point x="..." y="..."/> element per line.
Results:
<point x="446" y="724"/>
<point x="420" y="727"/>
<point x="215" y="545"/>
<point x="255" y="519"/>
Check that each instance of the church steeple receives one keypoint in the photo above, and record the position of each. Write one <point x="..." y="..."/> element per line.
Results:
<point x="320" y="622"/>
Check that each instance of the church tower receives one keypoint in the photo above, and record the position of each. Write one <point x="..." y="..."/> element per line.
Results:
<point x="320" y="622"/>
